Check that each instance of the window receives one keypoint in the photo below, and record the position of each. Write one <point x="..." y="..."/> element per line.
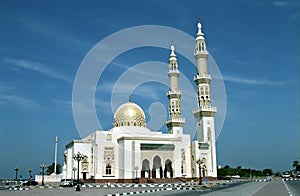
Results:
<point x="108" y="137"/>
<point x="108" y="169"/>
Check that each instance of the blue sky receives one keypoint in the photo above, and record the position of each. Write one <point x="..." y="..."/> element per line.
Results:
<point x="254" y="43"/>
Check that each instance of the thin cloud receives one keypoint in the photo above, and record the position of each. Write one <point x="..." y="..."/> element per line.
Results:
<point x="8" y="96"/>
<point x="281" y="3"/>
<point x="37" y="67"/>
<point x="125" y="88"/>
<point x="69" y="103"/>
<point x="253" y="81"/>
<point x="17" y="100"/>
<point x="65" y="39"/>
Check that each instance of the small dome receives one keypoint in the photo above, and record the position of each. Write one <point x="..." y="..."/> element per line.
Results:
<point x="129" y="114"/>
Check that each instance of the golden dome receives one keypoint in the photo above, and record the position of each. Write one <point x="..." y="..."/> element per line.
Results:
<point x="129" y="114"/>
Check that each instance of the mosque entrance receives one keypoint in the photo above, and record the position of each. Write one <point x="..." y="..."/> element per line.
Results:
<point x="157" y="171"/>
<point x="168" y="171"/>
<point x="84" y="175"/>
<point x="145" y="173"/>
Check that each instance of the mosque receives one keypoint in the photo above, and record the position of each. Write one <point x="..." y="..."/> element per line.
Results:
<point x="130" y="151"/>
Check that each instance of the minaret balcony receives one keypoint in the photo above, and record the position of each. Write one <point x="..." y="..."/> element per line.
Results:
<point x="201" y="54"/>
<point x="175" y="72"/>
<point x="205" y="111"/>
<point x="178" y="121"/>
<point x="174" y="94"/>
<point x="202" y="78"/>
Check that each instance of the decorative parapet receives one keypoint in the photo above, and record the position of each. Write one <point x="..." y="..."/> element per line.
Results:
<point x="205" y="109"/>
<point x="175" y="120"/>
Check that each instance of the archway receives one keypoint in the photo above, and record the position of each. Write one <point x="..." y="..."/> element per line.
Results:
<point x="168" y="172"/>
<point x="157" y="168"/>
<point x="145" y="173"/>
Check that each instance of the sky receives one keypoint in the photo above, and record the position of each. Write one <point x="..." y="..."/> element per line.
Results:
<point x="44" y="45"/>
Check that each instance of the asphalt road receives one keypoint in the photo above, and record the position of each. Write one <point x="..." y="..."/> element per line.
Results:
<point x="274" y="188"/>
<point x="70" y="191"/>
<point x="293" y="187"/>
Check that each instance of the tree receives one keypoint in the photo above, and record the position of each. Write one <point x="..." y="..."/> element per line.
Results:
<point x="50" y="169"/>
<point x="296" y="164"/>
<point x="268" y="172"/>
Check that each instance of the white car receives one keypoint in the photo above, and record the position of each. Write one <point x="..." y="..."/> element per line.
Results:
<point x="66" y="182"/>
<point x="285" y="175"/>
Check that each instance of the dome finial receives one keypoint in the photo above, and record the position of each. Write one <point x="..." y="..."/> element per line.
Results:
<point x="129" y="100"/>
<point x="199" y="27"/>
<point x="172" y="49"/>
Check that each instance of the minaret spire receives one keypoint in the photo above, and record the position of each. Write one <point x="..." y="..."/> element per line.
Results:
<point x="175" y="122"/>
<point x="205" y="112"/>
<point x="199" y="27"/>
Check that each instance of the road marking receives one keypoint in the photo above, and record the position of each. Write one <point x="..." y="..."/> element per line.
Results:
<point x="259" y="189"/>
<point x="287" y="188"/>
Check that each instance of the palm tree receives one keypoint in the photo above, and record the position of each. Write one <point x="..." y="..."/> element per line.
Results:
<point x="295" y="164"/>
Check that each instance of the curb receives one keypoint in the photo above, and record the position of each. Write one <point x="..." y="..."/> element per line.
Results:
<point x="152" y="190"/>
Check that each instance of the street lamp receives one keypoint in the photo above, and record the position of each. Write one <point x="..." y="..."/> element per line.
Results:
<point x="30" y="177"/>
<point x="74" y="170"/>
<point x="136" y="169"/>
<point x="78" y="157"/>
<point x="43" y="166"/>
<point x="17" y="169"/>
<point x="199" y="162"/>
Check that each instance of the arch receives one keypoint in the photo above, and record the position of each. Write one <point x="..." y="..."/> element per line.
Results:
<point x="204" y="161"/>
<point x="157" y="167"/>
<point x="108" y="169"/>
<point x="168" y="171"/>
<point x="145" y="172"/>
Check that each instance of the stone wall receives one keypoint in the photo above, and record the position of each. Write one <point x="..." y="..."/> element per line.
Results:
<point x="48" y="178"/>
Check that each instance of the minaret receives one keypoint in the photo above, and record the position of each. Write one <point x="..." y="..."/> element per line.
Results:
<point x="204" y="113"/>
<point x="55" y="154"/>
<point x="175" y="122"/>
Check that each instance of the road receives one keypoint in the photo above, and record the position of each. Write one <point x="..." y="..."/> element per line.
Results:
<point x="260" y="188"/>
<point x="293" y="187"/>
<point x="70" y="191"/>
<point x="275" y="188"/>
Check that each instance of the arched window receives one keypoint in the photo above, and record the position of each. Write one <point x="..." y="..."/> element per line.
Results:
<point x="108" y="169"/>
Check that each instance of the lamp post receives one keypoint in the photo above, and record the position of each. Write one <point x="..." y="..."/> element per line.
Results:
<point x="43" y="166"/>
<point x="74" y="170"/>
<point x="136" y="169"/>
<point x="17" y="169"/>
<point x="30" y="177"/>
<point x="199" y="162"/>
<point x="78" y="157"/>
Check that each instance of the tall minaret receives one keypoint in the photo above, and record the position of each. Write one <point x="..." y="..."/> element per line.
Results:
<point x="175" y="122"/>
<point x="55" y="154"/>
<point x="204" y="113"/>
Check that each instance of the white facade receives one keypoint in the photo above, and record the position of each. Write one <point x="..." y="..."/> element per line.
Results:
<point x="116" y="154"/>
<point x="130" y="150"/>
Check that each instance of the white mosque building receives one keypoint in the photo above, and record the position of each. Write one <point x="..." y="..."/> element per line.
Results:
<point x="129" y="150"/>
